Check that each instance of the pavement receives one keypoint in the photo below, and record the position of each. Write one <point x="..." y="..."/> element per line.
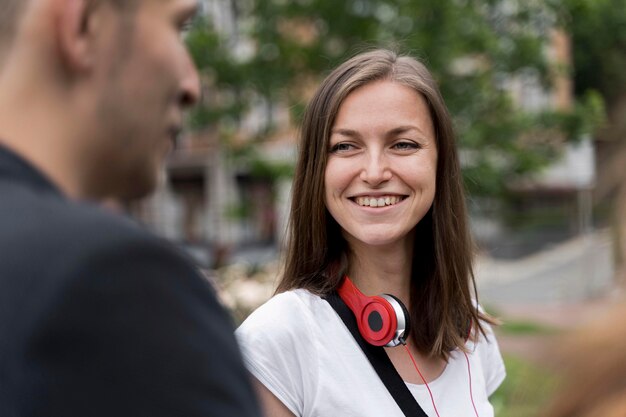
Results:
<point x="574" y="271"/>
<point x="561" y="320"/>
<point x="564" y="288"/>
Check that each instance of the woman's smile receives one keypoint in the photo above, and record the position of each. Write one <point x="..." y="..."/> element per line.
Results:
<point x="378" y="201"/>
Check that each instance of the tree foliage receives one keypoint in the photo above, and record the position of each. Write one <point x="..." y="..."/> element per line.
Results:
<point x="280" y="49"/>
<point x="598" y="29"/>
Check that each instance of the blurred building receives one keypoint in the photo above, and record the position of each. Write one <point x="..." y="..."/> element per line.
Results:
<point x="551" y="245"/>
<point x="554" y="204"/>
<point x="216" y="205"/>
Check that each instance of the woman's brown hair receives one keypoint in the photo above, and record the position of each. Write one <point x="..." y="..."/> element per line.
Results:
<point x="441" y="304"/>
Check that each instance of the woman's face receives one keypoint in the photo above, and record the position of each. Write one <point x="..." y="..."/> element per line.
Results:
<point x="382" y="163"/>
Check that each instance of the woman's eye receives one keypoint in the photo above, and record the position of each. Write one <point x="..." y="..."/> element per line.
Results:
<point x="405" y="146"/>
<point x="342" y="147"/>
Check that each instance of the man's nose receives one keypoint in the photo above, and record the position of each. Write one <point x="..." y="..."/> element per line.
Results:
<point x="376" y="169"/>
<point x="190" y="89"/>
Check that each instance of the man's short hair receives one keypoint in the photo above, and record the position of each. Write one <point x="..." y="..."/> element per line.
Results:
<point x="11" y="10"/>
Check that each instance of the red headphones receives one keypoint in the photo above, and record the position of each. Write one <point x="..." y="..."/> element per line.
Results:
<point x="382" y="319"/>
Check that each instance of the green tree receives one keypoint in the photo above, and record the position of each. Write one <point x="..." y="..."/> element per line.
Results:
<point x="474" y="48"/>
<point x="598" y="29"/>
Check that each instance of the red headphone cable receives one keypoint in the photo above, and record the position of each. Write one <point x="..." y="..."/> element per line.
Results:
<point x="432" y="399"/>
<point x="422" y="376"/>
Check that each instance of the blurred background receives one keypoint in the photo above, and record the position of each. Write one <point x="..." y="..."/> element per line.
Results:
<point x="537" y="89"/>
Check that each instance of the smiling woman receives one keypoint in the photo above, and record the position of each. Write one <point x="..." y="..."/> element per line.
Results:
<point x="382" y="147"/>
<point x="378" y="208"/>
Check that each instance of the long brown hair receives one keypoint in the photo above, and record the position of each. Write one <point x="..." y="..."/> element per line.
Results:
<point x="441" y="305"/>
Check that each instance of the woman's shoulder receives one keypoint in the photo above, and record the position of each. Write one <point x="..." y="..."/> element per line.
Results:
<point x="289" y="314"/>
<point x="298" y="302"/>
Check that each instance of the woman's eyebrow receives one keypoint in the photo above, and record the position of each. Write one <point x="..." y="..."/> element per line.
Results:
<point x="403" y="129"/>
<point x="393" y="132"/>
<point x="345" y="132"/>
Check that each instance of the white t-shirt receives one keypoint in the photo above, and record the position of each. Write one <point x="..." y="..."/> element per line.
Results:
<point x="300" y="349"/>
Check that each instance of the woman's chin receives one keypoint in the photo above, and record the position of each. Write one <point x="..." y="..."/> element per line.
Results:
<point x="375" y="239"/>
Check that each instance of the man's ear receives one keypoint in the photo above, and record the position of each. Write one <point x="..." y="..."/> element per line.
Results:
<point x="75" y="28"/>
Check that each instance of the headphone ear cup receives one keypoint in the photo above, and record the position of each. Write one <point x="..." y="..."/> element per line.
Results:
<point x="377" y="322"/>
<point x="403" y="320"/>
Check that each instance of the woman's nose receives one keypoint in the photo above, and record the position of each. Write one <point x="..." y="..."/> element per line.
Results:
<point x="376" y="170"/>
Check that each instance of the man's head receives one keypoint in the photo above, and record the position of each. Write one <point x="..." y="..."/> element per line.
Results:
<point x="11" y="13"/>
<point x="109" y="80"/>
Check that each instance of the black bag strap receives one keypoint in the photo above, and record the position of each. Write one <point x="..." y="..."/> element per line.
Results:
<point x="379" y="360"/>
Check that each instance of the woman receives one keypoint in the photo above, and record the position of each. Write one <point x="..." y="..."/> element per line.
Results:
<point x="377" y="200"/>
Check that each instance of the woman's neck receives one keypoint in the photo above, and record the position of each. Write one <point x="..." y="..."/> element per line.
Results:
<point x="382" y="269"/>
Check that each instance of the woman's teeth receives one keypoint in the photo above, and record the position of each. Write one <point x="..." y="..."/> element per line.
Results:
<point x="378" y="201"/>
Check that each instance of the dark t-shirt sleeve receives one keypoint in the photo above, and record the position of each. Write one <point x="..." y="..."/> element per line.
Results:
<point x="135" y="332"/>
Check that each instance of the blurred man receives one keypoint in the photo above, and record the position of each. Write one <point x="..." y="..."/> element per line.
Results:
<point x="97" y="317"/>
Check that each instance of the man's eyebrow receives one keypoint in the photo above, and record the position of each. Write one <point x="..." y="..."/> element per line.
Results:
<point x="191" y="10"/>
